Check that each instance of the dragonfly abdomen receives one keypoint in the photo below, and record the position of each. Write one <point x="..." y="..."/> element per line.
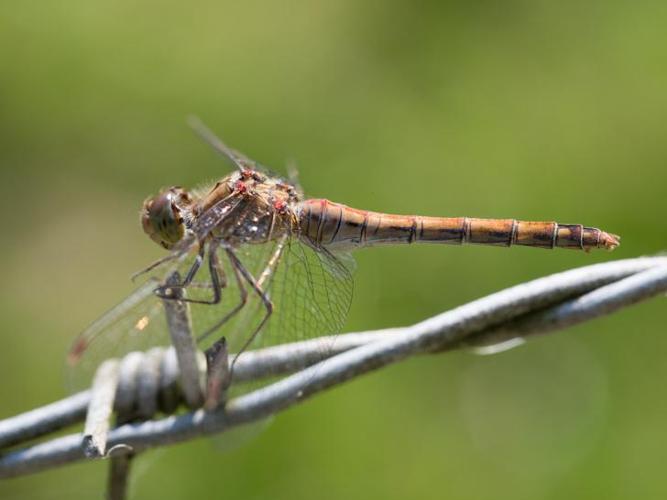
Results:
<point x="328" y="224"/>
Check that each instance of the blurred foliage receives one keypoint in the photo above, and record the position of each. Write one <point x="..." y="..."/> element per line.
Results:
<point x="534" y="110"/>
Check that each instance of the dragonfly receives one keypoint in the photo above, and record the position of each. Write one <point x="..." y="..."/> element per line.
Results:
<point x="260" y="264"/>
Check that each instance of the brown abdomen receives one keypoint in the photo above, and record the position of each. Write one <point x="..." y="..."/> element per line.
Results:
<point x="332" y="225"/>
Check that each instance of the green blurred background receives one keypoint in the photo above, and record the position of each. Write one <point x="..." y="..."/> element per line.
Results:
<point x="533" y="109"/>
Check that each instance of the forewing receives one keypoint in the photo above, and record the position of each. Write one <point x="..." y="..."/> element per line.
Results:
<point x="310" y="290"/>
<point x="135" y="324"/>
<point x="238" y="159"/>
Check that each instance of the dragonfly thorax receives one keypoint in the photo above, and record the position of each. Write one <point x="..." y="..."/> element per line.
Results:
<point x="246" y="206"/>
<point x="251" y="208"/>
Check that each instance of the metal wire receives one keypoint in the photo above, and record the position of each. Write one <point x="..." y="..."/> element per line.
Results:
<point x="536" y="307"/>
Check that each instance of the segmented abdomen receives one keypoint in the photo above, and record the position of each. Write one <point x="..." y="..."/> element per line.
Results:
<point x="327" y="224"/>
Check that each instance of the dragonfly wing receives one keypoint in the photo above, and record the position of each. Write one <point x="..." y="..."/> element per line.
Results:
<point x="135" y="324"/>
<point x="310" y="290"/>
<point x="238" y="159"/>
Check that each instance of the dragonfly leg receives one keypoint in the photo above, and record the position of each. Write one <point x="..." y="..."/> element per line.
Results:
<point x="165" y="291"/>
<point x="268" y="305"/>
<point x="243" y="293"/>
<point x="152" y="266"/>
<point x="218" y="278"/>
<point x="195" y="266"/>
<point x="256" y="285"/>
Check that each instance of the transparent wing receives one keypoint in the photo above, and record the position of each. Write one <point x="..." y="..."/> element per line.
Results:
<point x="241" y="161"/>
<point x="310" y="290"/>
<point x="238" y="159"/>
<point x="135" y="324"/>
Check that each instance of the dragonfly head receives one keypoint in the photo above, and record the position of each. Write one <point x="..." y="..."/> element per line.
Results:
<point x="163" y="217"/>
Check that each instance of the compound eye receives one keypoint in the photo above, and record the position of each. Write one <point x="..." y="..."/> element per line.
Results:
<point x="162" y="218"/>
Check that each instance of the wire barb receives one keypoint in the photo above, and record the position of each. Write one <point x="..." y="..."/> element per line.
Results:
<point x="100" y="409"/>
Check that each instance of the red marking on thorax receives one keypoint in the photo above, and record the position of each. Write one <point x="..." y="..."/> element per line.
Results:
<point x="240" y="187"/>
<point x="279" y="205"/>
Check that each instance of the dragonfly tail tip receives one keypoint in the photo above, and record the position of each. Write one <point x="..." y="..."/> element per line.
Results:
<point x="609" y="241"/>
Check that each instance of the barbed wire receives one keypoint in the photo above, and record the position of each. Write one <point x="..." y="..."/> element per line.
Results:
<point x="503" y="319"/>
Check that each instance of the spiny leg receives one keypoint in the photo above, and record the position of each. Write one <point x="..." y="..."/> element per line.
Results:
<point x="244" y="299"/>
<point x="256" y="285"/>
<point x="165" y="291"/>
<point x="196" y="265"/>
<point x="217" y="273"/>
<point x="219" y="369"/>
<point x="260" y="293"/>
<point x="217" y="357"/>
<point x="177" y="252"/>
<point x="155" y="264"/>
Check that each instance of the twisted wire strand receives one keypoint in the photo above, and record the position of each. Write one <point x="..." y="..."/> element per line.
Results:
<point x="536" y="307"/>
